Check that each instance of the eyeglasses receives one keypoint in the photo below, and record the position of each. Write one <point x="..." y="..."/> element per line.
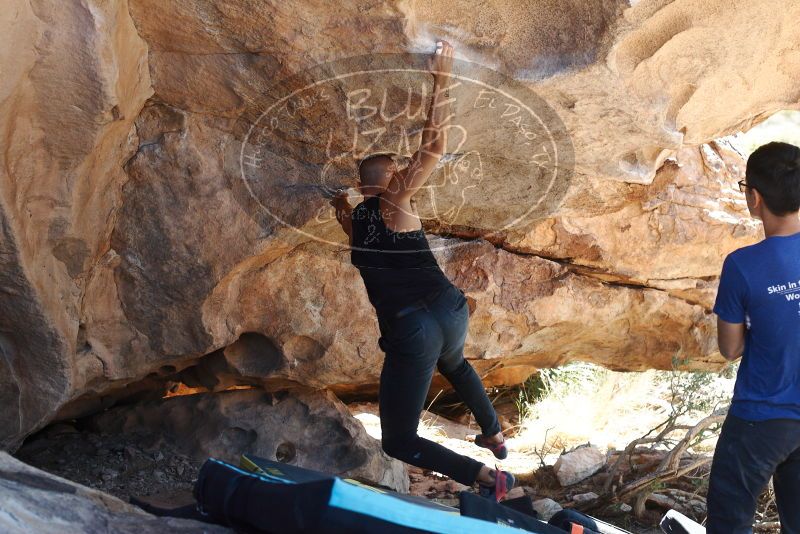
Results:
<point x="743" y="186"/>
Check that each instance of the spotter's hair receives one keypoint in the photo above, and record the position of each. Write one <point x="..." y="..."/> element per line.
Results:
<point x="774" y="171"/>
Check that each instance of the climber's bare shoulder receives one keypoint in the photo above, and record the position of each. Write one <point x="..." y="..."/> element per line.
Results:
<point x="397" y="211"/>
<point x="396" y="207"/>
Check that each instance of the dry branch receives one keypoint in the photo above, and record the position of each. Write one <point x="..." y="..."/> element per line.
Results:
<point x="670" y="467"/>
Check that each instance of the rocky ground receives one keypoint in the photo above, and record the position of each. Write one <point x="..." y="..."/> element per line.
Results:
<point x="119" y="464"/>
<point x="125" y="466"/>
<point x="138" y="465"/>
<point x="151" y="451"/>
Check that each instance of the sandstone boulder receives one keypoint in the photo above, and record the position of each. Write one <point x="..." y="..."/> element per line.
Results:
<point x="131" y="249"/>
<point x="578" y="465"/>
<point x="303" y="427"/>
<point x="75" y="77"/>
<point x="585" y="498"/>
<point x="546" y="508"/>
<point x="35" y="501"/>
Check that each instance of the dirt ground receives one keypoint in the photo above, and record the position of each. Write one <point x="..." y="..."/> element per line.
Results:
<point x="122" y="466"/>
<point x="117" y="464"/>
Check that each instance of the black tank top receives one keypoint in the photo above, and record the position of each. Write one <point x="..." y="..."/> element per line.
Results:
<point x="398" y="268"/>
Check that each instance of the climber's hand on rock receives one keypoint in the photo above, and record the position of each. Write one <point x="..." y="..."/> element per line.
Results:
<point x="339" y="200"/>
<point x="441" y="62"/>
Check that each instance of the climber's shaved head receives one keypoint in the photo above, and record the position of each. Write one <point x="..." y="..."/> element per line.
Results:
<point x="375" y="172"/>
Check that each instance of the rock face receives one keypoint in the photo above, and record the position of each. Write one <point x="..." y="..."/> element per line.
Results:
<point x="132" y="251"/>
<point x="75" y="78"/>
<point x="303" y="427"/>
<point x="35" y="501"/>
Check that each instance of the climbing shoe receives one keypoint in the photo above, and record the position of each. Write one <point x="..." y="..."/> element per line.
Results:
<point x="498" y="449"/>
<point x="503" y="482"/>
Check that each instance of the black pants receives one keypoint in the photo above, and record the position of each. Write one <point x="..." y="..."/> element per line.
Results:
<point x="416" y="344"/>
<point x="747" y="455"/>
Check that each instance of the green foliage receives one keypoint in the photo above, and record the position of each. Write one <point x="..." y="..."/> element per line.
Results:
<point x="556" y="381"/>
<point x="692" y="392"/>
<point x="730" y="370"/>
<point x="700" y="484"/>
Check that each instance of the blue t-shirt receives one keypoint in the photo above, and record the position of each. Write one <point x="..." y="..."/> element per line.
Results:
<point x="760" y="286"/>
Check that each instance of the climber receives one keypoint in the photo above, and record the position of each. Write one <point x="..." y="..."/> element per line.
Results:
<point x="422" y="316"/>
<point x="758" y="318"/>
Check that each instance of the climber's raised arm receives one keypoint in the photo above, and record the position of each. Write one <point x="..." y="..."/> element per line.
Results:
<point x="434" y="135"/>
<point x="344" y="213"/>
